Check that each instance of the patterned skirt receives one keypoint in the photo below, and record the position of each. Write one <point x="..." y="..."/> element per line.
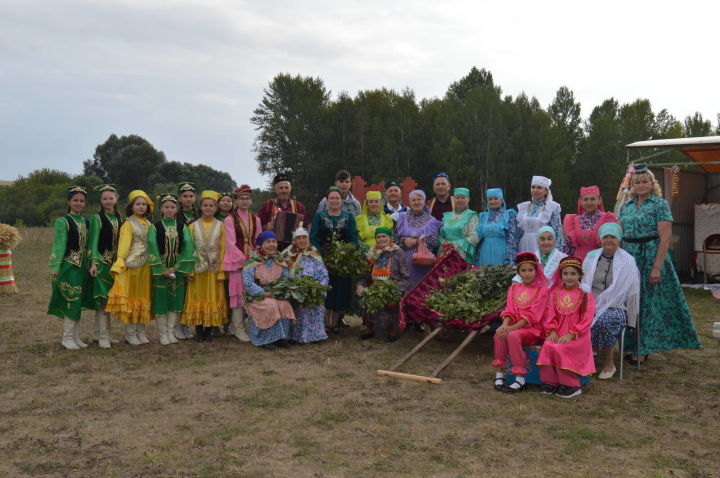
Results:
<point x="607" y="328"/>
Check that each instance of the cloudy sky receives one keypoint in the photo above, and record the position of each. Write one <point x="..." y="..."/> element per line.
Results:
<point x="186" y="75"/>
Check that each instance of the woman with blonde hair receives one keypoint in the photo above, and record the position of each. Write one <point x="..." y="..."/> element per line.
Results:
<point x="665" y="320"/>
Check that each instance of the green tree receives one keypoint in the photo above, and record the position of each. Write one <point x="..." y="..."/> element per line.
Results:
<point x="695" y="126"/>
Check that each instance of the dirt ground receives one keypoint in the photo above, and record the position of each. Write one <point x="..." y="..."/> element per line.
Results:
<point x="228" y="409"/>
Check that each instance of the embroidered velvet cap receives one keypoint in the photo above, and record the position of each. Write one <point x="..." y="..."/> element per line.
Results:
<point x="72" y="190"/>
<point x="167" y="197"/>
<point x="243" y="190"/>
<point x="441" y="174"/>
<point x="105" y="187"/>
<point x="280" y="178"/>
<point x="210" y="194"/>
<point x="391" y="183"/>
<point x="186" y="186"/>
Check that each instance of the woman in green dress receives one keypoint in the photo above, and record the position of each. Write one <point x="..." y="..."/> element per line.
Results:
<point x="104" y="233"/>
<point x="459" y="230"/>
<point x="665" y="321"/>
<point x="176" y="252"/>
<point x="69" y="269"/>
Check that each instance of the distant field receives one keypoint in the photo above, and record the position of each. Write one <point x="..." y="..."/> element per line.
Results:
<point x="228" y="409"/>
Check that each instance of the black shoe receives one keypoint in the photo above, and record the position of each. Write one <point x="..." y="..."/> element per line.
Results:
<point x="208" y="331"/>
<point x="564" y="391"/>
<point x="199" y="333"/>
<point x="548" y="389"/>
<point x="367" y="335"/>
<point x="342" y="322"/>
<point x="499" y="383"/>
<point x="283" y="343"/>
<point x="392" y="338"/>
<point x="418" y="327"/>
<point x="509" y="389"/>
<point x="269" y="347"/>
<point x="293" y="342"/>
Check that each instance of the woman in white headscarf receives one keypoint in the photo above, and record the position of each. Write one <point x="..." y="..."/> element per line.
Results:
<point x="540" y="211"/>
<point x="614" y="278"/>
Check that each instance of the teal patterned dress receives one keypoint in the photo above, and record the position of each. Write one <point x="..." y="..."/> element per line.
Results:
<point x="665" y="321"/>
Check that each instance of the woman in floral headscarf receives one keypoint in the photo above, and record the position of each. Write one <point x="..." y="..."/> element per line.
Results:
<point x="415" y="225"/>
<point x="581" y="229"/>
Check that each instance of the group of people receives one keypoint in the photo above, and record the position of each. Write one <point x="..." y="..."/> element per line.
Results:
<point x="208" y="264"/>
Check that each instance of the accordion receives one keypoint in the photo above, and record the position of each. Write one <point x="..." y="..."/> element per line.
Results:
<point x="285" y="224"/>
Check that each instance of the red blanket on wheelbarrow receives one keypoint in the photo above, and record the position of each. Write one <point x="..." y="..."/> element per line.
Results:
<point x="412" y="305"/>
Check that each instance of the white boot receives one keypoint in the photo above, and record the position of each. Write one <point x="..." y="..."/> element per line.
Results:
<point x="161" y="321"/>
<point x="238" y="322"/>
<point x="141" y="334"/>
<point x="67" y="337"/>
<point x="172" y="318"/>
<point x="101" y="331"/>
<point x="76" y="336"/>
<point x="108" y="321"/>
<point x="131" y="334"/>
<point x="182" y="331"/>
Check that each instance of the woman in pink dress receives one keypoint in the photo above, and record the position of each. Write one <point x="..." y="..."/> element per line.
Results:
<point x="241" y="230"/>
<point x="581" y="229"/>
<point x="521" y="322"/>
<point x="567" y="351"/>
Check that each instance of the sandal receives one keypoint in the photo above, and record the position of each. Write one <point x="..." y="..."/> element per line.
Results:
<point x="511" y="389"/>
<point x="499" y="383"/>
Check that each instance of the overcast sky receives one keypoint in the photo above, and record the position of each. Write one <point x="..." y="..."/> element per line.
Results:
<point x="186" y="75"/>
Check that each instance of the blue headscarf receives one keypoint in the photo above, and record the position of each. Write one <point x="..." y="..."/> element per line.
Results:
<point x="264" y="236"/>
<point x="496" y="193"/>
<point x="545" y="229"/>
<point x="611" y="229"/>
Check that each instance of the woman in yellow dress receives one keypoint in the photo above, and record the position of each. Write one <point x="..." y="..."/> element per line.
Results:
<point x="129" y="297"/>
<point x="372" y="217"/>
<point x="205" y="303"/>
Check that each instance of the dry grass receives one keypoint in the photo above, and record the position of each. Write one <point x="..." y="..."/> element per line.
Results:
<point x="228" y="409"/>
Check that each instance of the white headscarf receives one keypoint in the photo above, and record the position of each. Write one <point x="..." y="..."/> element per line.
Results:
<point x="544" y="182"/>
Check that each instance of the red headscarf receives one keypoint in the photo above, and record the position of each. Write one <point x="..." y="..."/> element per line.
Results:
<point x="590" y="191"/>
<point x="527" y="257"/>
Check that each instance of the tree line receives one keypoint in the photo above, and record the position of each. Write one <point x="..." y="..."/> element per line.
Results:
<point x="481" y="137"/>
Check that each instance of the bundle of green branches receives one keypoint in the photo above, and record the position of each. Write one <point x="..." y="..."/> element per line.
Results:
<point x="303" y="290"/>
<point x="472" y="294"/>
<point x="380" y="294"/>
<point x="345" y="260"/>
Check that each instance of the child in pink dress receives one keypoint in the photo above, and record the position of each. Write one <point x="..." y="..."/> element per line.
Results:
<point x="567" y="351"/>
<point x="522" y="322"/>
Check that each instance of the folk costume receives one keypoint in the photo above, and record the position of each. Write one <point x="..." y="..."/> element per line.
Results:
<point x="269" y="318"/>
<point x="665" y="320"/>
<point x="437" y="207"/>
<point x="342" y="227"/>
<point x="581" y="229"/>
<point x="309" y="325"/>
<point x="416" y="225"/>
<point x="549" y="261"/>
<point x="389" y="209"/>
<point x="569" y="311"/>
<point x="497" y="232"/>
<point x="532" y="215"/>
<point x="615" y="283"/>
<point x="177" y="251"/>
<point x="460" y="229"/>
<point x="104" y="237"/>
<point x="241" y="230"/>
<point x="220" y="216"/>
<point x="9" y="239"/>
<point x="205" y="304"/>
<point x="524" y="302"/>
<point x="129" y="299"/>
<point x="269" y="210"/>
<point x="386" y="263"/>
<point x="69" y="260"/>
<point x="367" y="223"/>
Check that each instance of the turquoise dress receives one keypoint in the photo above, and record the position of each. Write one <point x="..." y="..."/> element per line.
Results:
<point x="497" y="232"/>
<point x="665" y="321"/>
<point x="460" y="230"/>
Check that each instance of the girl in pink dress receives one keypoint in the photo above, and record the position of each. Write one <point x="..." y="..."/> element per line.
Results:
<point x="567" y="351"/>
<point x="241" y="230"/>
<point x="581" y="229"/>
<point x="521" y="322"/>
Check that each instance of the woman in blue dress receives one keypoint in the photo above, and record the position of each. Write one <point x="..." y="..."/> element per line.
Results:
<point x="665" y="321"/>
<point x="497" y="232"/>
<point x="304" y="259"/>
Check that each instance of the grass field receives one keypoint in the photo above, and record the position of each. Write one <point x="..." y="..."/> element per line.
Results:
<point x="229" y="409"/>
